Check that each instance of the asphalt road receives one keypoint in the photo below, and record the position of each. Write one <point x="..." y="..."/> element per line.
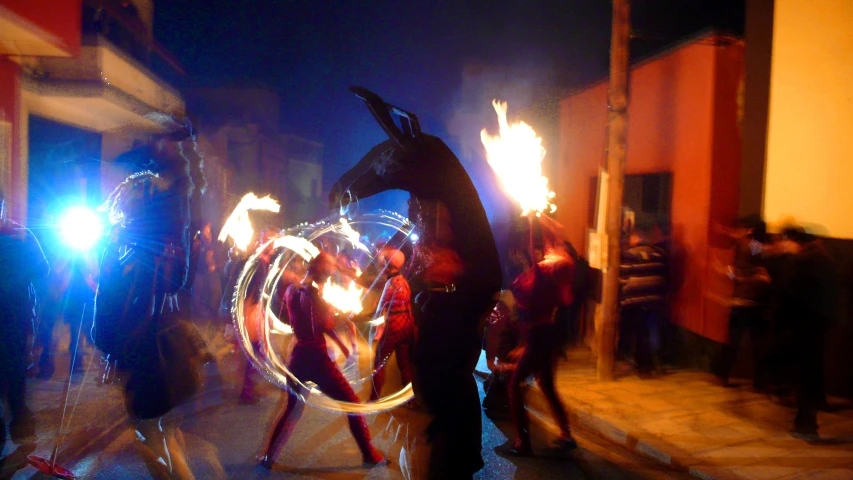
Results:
<point x="222" y="437"/>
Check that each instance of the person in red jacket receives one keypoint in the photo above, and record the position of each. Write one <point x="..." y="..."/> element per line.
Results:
<point x="310" y="318"/>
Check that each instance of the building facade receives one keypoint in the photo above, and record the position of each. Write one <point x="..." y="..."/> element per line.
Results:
<point x="87" y="64"/>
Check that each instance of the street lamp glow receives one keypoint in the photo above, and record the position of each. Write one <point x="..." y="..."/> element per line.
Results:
<point x="80" y="228"/>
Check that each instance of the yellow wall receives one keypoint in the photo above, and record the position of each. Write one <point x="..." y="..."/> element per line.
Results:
<point x="809" y="172"/>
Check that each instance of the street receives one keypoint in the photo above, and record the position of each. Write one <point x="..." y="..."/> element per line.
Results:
<point x="222" y="437"/>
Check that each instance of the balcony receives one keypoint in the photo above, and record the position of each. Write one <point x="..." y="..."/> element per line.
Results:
<point x="105" y="88"/>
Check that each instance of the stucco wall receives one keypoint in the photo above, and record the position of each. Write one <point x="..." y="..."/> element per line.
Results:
<point x="681" y="103"/>
<point x="809" y="169"/>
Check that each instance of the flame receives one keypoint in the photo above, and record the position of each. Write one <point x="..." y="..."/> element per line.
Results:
<point x="345" y="299"/>
<point x="298" y="245"/>
<point x="349" y="232"/>
<point x="515" y="155"/>
<point x="238" y="226"/>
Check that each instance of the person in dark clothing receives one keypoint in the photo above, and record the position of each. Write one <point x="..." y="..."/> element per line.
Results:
<point x="21" y="261"/>
<point x="642" y="296"/>
<point x="145" y="264"/>
<point x="815" y="289"/>
<point x="749" y="298"/>
<point x="501" y="337"/>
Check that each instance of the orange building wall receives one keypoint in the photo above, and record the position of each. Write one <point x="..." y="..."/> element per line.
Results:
<point x="679" y="105"/>
<point x="61" y="18"/>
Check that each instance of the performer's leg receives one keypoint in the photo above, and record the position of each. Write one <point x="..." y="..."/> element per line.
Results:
<point x="283" y="426"/>
<point x="247" y="394"/>
<point x="545" y="379"/>
<point x="523" y="369"/>
<point x="153" y="449"/>
<point x="386" y="348"/>
<point x="332" y="382"/>
<point x="22" y="423"/>
<point x="176" y="451"/>
<point x="404" y="360"/>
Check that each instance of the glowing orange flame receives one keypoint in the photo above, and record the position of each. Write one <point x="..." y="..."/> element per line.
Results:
<point x="345" y="299"/>
<point x="238" y="226"/>
<point x="515" y="155"/>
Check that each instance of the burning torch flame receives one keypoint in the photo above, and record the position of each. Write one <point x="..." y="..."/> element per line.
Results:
<point x="238" y="226"/>
<point x="345" y="299"/>
<point x="298" y="245"/>
<point x="515" y="155"/>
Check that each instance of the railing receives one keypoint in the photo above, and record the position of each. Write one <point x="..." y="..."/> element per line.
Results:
<point x="127" y="32"/>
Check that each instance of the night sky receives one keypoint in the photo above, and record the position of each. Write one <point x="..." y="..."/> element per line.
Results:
<point x="413" y="54"/>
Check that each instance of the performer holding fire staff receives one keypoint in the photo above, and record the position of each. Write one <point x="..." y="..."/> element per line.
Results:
<point x="538" y="291"/>
<point x="397" y="334"/>
<point x="311" y="317"/>
<point x="144" y="266"/>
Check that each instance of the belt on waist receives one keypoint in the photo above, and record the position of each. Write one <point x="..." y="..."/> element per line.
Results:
<point x="441" y="287"/>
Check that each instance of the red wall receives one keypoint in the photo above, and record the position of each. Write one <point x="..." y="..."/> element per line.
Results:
<point x="680" y="120"/>
<point x="61" y="18"/>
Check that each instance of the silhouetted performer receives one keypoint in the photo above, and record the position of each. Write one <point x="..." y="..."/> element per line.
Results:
<point x="21" y="262"/>
<point x="816" y="296"/>
<point x="145" y="264"/>
<point x="749" y="301"/>
<point x="455" y="276"/>
<point x="538" y="291"/>
<point x="311" y="317"/>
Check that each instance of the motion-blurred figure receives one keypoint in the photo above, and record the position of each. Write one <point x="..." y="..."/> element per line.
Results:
<point x="501" y="337"/>
<point x="144" y="266"/>
<point x="816" y="291"/>
<point x="538" y="291"/>
<point x="397" y="334"/>
<point x="642" y="297"/>
<point x="311" y="318"/>
<point x="21" y="261"/>
<point x="749" y="300"/>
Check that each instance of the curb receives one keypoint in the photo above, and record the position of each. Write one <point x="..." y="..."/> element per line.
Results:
<point x="654" y="448"/>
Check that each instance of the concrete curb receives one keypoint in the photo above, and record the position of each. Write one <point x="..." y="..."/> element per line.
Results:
<point x="624" y="435"/>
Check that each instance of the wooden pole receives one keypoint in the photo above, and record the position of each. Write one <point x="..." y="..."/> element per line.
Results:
<point x="617" y="133"/>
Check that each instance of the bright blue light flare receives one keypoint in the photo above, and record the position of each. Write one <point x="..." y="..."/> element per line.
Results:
<point x="80" y="228"/>
<point x="414" y="237"/>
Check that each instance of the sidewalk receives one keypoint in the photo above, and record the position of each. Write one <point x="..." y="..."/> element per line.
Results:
<point x="683" y="420"/>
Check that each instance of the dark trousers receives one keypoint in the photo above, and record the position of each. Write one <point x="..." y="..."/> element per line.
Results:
<point x="636" y="336"/>
<point x="542" y="346"/>
<point x="13" y="362"/>
<point x="811" y="346"/>
<point x="313" y="364"/>
<point x="445" y="355"/>
<point x="741" y="321"/>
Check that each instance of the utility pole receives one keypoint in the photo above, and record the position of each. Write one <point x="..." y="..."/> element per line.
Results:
<point x="617" y="132"/>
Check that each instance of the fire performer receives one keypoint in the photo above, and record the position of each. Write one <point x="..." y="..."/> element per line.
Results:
<point x="397" y="334"/>
<point x="539" y="290"/>
<point x="454" y="287"/>
<point x="311" y="317"/>
<point x="144" y="266"/>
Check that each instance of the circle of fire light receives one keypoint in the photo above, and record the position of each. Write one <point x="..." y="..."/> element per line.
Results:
<point x="293" y="248"/>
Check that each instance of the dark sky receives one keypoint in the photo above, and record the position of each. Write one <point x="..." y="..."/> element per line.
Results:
<point x="412" y="53"/>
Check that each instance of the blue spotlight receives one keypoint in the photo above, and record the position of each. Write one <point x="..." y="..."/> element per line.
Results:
<point x="80" y="228"/>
